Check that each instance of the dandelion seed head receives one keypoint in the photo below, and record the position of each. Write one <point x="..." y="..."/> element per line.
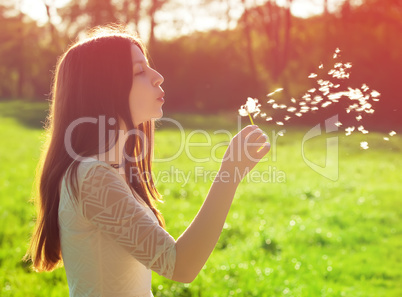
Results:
<point x="251" y="107"/>
<point x="243" y="112"/>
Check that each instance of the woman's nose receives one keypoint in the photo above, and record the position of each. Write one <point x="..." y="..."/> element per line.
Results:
<point x="158" y="80"/>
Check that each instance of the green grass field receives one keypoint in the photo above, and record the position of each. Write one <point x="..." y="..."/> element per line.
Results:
<point x="290" y="232"/>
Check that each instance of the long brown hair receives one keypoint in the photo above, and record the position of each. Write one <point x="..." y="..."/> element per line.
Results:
<point x="93" y="78"/>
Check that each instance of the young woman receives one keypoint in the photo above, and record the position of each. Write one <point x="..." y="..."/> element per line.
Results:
<point x="96" y="197"/>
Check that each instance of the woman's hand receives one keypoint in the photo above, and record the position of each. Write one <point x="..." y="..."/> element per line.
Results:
<point x="245" y="150"/>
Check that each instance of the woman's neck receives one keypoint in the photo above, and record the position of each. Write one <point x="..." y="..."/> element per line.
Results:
<point x="115" y="155"/>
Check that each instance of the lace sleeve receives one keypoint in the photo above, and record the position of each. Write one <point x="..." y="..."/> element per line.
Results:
<point x="108" y="203"/>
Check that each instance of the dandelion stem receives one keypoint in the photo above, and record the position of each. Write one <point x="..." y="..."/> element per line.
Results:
<point x="251" y="119"/>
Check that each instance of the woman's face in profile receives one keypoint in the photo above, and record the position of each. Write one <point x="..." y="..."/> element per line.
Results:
<point x="146" y="94"/>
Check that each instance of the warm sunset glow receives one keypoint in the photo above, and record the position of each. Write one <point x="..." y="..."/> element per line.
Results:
<point x="194" y="18"/>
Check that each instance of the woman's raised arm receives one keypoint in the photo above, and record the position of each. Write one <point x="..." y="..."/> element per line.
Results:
<point x="197" y="242"/>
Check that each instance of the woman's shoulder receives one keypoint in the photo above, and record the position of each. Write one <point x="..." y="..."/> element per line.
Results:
<point x="91" y="165"/>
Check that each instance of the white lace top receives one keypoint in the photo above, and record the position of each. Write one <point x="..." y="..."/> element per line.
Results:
<point x="110" y="242"/>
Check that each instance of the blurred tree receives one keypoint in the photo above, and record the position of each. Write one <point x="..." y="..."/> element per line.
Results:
<point x="131" y="11"/>
<point x="154" y="7"/>
<point x="78" y="15"/>
<point x="271" y="25"/>
<point x="246" y="24"/>
<point x="27" y="54"/>
<point x="211" y="71"/>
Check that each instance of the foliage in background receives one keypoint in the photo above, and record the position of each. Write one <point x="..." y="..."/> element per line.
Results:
<point x="216" y="70"/>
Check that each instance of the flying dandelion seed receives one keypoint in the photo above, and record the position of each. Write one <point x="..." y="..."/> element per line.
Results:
<point x="365" y="88"/>
<point x="364" y="145"/>
<point x="338" y="124"/>
<point x="349" y="130"/>
<point x="360" y="100"/>
<point x="386" y="138"/>
<point x="375" y="94"/>
<point x="280" y="133"/>
<point x="276" y="91"/>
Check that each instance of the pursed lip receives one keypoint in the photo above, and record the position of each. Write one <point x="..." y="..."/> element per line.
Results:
<point x="161" y="97"/>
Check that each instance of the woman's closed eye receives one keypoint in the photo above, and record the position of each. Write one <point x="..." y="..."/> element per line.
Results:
<point x="139" y="70"/>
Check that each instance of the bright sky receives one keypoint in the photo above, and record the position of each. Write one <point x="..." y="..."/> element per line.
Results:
<point x="190" y="16"/>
